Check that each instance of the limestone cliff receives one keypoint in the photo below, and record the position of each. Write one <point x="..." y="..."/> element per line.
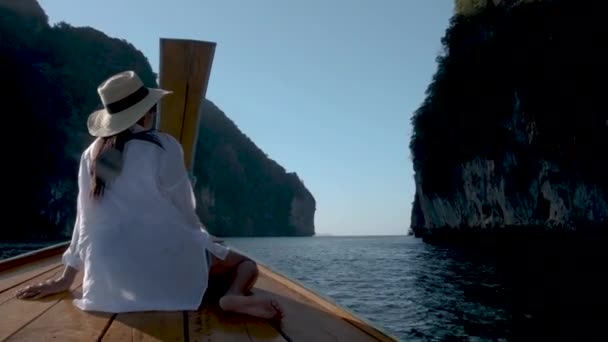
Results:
<point x="513" y="131"/>
<point x="242" y="192"/>
<point x="51" y="73"/>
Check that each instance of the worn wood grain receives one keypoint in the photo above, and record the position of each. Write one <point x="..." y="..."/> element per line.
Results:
<point x="49" y="274"/>
<point x="64" y="322"/>
<point x="212" y="324"/>
<point x="13" y="277"/>
<point x="146" y="327"/>
<point x="185" y="66"/>
<point x="17" y="313"/>
<point x="309" y="317"/>
<point x="306" y="321"/>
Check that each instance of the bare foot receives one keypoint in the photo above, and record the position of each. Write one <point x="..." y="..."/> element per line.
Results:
<point x="255" y="305"/>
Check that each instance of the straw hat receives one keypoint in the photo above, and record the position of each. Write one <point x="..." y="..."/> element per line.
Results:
<point x="125" y="100"/>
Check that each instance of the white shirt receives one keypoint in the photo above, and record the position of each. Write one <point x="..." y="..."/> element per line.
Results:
<point x="141" y="246"/>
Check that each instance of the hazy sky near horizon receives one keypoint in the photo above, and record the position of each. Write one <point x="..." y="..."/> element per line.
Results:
<point x="325" y="88"/>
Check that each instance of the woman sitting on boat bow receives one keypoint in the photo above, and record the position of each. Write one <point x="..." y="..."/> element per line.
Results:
<point x="137" y="236"/>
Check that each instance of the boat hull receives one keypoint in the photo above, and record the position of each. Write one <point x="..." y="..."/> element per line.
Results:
<point x="308" y="316"/>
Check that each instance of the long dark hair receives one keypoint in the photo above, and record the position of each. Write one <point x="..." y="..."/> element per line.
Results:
<point x="108" y="157"/>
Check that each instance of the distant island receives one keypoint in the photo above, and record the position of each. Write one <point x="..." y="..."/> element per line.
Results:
<point x="513" y="133"/>
<point x="51" y="74"/>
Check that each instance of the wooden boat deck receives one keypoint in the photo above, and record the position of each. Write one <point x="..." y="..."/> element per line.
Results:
<point x="308" y="316"/>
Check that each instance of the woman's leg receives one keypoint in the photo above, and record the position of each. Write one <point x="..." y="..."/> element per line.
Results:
<point x="243" y="273"/>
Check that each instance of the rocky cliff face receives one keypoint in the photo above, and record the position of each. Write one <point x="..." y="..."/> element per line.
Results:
<point x="513" y="132"/>
<point x="483" y="201"/>
<point x="51" y="93"/>
<point x="242" y="192"/>
<point x="301" y="216"/>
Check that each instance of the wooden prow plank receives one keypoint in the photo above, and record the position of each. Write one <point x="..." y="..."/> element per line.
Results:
<point x="34" y="256"/>
<point x="185" y="66"/>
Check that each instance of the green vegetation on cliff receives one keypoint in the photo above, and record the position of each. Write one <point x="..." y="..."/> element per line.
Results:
<point x="50" y="75"/>
<point x="516" y="107"/>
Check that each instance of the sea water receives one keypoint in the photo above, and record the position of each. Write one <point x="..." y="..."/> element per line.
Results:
<point x="416" y="291"/>
<point x="412" y="290"/>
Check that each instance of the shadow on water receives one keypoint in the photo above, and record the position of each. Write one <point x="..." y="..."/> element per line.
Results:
<point x="416" y="291"/>
<point x="458" y="294"/>
<point x="523" y="288"/>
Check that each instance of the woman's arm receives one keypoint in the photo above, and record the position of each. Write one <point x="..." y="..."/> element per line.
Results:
<point x="49" y="287"/>
<point x="72" y="256"/>
<point x="68" y="276"/>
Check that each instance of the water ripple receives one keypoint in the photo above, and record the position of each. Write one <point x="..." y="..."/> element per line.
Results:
<point x="410" y="289"/>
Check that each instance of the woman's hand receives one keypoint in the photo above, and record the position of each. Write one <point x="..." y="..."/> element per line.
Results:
<point x="47" y="288"/>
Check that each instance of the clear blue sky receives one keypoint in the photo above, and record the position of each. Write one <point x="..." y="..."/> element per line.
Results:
<point x="325" y="87"/>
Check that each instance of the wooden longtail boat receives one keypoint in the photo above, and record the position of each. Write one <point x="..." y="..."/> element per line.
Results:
<point x="185" y="69"/>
